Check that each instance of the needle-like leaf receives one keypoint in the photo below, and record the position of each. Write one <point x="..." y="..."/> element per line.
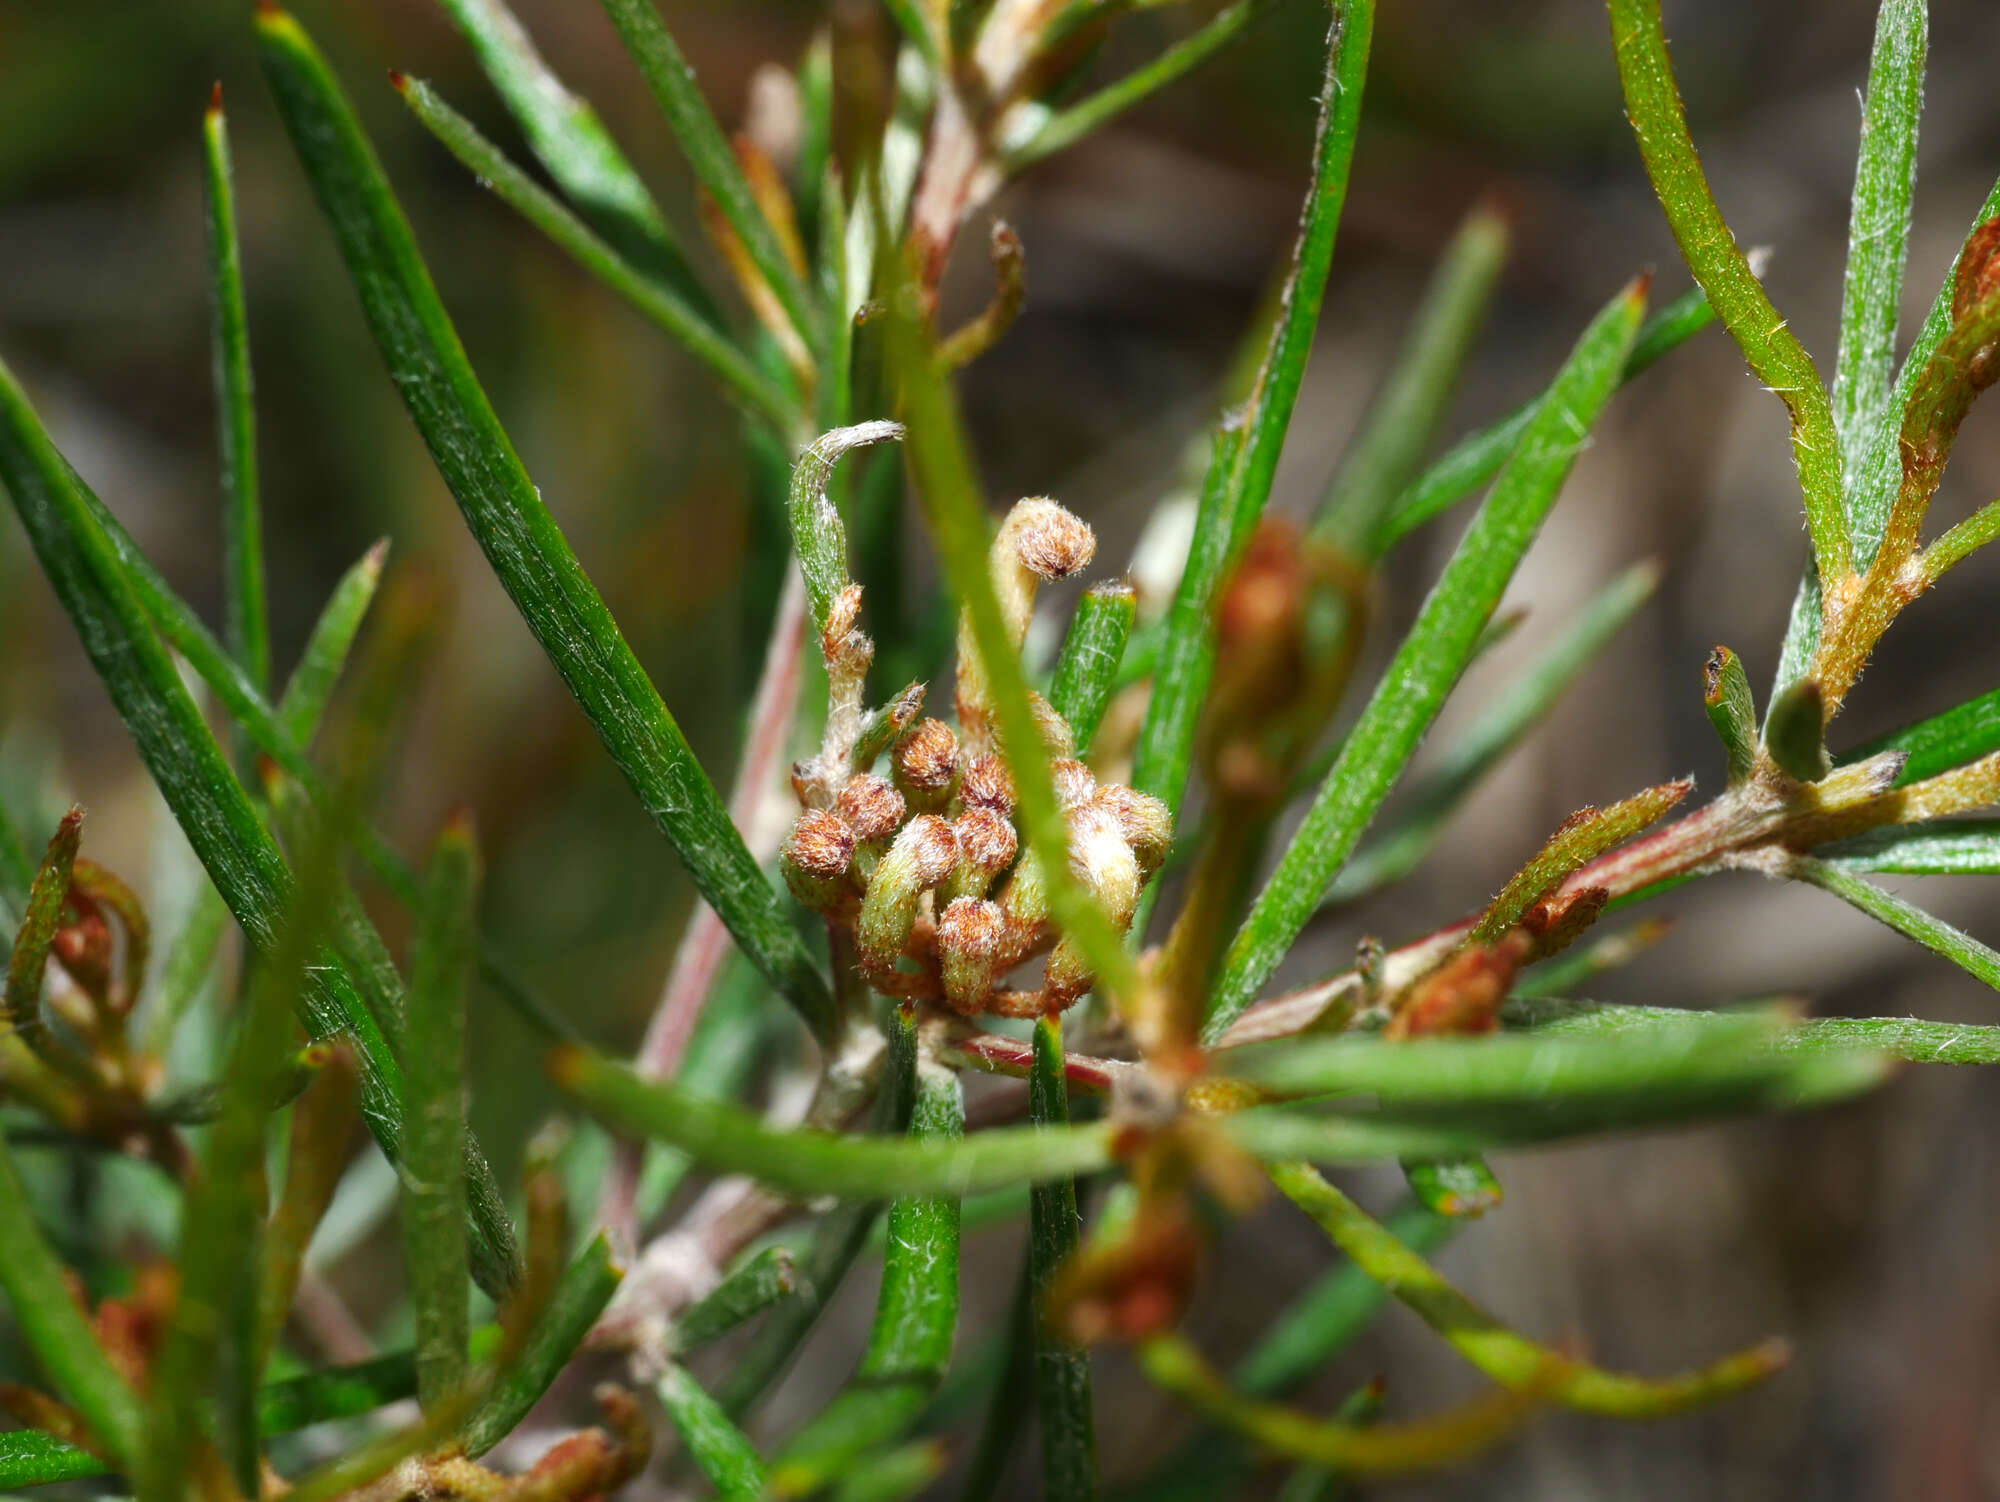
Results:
<point x="1906" y="918"/>
<point x="1432" y="656"/>
<point x="246" y="626"/>
<point x="1087" y="671"/>
<point x="508" y="518"/>
<point x="1775" y="356"/>
<point x="1959" y="847"/>
<point x="1908" y="1038"/>
<point x="725" y="1458"/>
<point x="570" y="140"/>
<point x="1878" y="228"/>
<point x="1062" y="1370"/>
<point x="658" y="301"/>
<point x="1246" y="450"/>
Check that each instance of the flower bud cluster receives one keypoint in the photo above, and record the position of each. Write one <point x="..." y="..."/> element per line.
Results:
<point x="927" y="867"/>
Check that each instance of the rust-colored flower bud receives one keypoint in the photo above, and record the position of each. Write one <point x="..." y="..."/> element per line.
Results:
<point x="872" y="808"/>
<point x="986" y="846"/>
<point x="926" y="761"/>
<point x="1051" y="542"/>
<point x="987" y="784"/>
<point x="816" y="857"/>
<point x="971" y="935"/>
<point x="1147" y="824"/>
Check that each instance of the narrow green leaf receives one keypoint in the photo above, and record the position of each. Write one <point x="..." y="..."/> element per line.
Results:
<point x="1906" y="918"/>
<point x="916" y="1314"/>
<point x="733" y="1140"/>
<point x="1478" y="749"/>
<point x="1960" y="542"/>
<point x="1961" y="734"/>
<point x="1582" y="837"/>
<point x="189" y="962"/>
<point x="569" y="139"/>
<point x="1475" y="459"/>
<point x="745" y="1293"/>
<point x="29" y="1457"/>
<point x="1878" y="230"/>
<point x="322" y="1125"/>
<point x="1442" y="1078"/>
<point x="1957" y="847"/>
<point x="97" y="591"/>
<point x="508" y="518"/>
<point x="818" y="535"/>
<point x="1871" y="492"/>
<point x="1090" y="114"/>
<point x="1725" y="694"/>
<point x="579" y="1298"/>
<point x="59" y="1334"/>
<point x="245" y="619"/>
<point x="1773" y="351"/>
<point x="27" y="963"/>
<point x="1403" y="418"/>
<point x="1087" y="671"/>
<point x="661" y="303"/>
<point x="433" y="1195"/>
<point x="1247" y="446"/>
<point x="1908" y="1038"/>
<point x="1062" y="1371"/>
<point x="708" y="153"/>
<point x="1430" y="659"/>
<point x="307" y="691"/>
<point x="1507" y="1357"/>
<point x="725" y="1458"/>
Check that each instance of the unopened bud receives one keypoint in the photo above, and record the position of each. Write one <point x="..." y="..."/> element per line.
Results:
<point x="871" y="807"/>
<point x="1051" y="728"/>
<point x="1103" y="862"/>
<point x="1050" y="542"/>
<point x="986" y="845"/>
<point x="923" y="855"/>
<point x="1074" y="781"/>
<point x="987" y="784"/>
<point x="926" y="762"/>
<point x="816" y="858"/>
<point x="1147" y="824"/>
<point x="971" y="936"/>
<point x="1038" y="541"/>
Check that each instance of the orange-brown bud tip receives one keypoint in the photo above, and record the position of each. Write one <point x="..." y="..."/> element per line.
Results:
<point x="821" y="844"/>
<point x="927" y="757"/>
<point x="1641" y="286"/>
<point x="986" y="841"/>
<point x="399" y="81"/>
<point x="215" y="98"/>
<point x="932" y="847"/>
<point x="1051" y="542"/>
<point x="971" y="928"/>
<point x="871" y="806"/>
<point x="269" y="10"/>
<point x="987" y="784"/>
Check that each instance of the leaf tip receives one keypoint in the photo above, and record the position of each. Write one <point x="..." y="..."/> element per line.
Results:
<point x="399" y="81"/>
<point x="566" y="1064"/>
<point x="376" y="558"/>
<point x="215" y="100"/>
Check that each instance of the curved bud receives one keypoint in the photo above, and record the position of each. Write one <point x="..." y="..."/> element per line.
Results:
<point x="1038" y="541"/>
<point x="923" y="855"/>
<point x="1053" y="730"/>
<point x="872" y="808"/>
<point x="926" y="761"/>
<point x="1147" y="823"/>
<point x="816" y="857"/>
<point x="986" y="783"/>
<point x="986" y="845"/>
<point x="971" y="936"/>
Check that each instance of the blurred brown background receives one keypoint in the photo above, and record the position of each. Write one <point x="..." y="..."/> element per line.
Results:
<point x="1866" y="1234"/>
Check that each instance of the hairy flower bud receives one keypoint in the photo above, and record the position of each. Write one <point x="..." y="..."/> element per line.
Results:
<point x="1038" y="541"/>
<point x="1147" y="824"/>
<point x="1103" y="862"/>
<point x="987" y="784"/>
<point x="923" y="855"/>
<point x="816" y="857"/>
<point x="872" y="808"/>
<point x="971" y="936"/>
<point x="1075" y="782"/>
<point x="986" y="845"/>
<point x="926" y="761"/>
